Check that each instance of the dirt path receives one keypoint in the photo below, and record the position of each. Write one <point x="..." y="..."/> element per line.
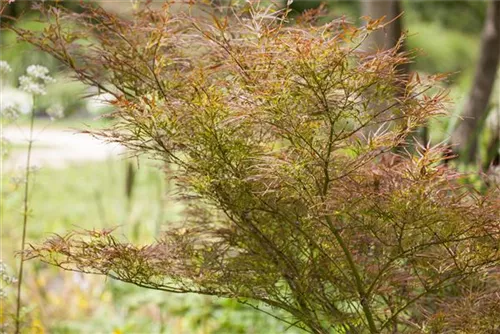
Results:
<point x="56" y="148"/>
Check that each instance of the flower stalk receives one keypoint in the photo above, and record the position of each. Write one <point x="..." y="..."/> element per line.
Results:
<point x="34" y="83"/>
<point x="26" y="208"/>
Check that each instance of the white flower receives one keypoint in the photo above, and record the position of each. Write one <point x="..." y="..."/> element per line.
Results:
<point x="4" y="67"/>
<point x="31" y="86"/>
<point x="39" y="72"/>
<point x="11" y="112"/>
<point x="35" y="80"/>
<point x="55" y="111"/>
<point x="4" y="275"/>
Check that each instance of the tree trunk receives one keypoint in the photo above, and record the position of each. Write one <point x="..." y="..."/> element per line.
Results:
<point x="388" y="37"/>
<point x="465" y="136"/>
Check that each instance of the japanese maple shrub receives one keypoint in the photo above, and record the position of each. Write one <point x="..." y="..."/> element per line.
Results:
<point x="279" y="138"/>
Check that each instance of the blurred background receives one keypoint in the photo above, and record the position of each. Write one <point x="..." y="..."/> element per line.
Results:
<point x="80" y="182"/>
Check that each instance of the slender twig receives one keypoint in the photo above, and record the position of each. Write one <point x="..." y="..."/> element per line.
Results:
<point x="357" y="277"/>
<point x="25" y="219"/>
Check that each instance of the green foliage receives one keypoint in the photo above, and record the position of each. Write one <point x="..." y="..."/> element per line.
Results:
<point x="443" y="50"/>
<point x="301" y="5"/>
<point x="462" y="15"/>
<point x="278" y="139"/>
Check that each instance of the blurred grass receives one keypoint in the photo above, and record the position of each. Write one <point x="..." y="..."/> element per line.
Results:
<point x="442" y="50"/>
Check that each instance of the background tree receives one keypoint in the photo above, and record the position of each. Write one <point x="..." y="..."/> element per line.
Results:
<point x="389" y="13"/>
<point x="465" y="136"/>
<point x="391" y="10"/>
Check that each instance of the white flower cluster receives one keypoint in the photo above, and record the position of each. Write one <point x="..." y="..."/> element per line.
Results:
<point x="40" y="72"/>
<point x="36" y="79"/>
<point x="31" y="86"/>
<point x="10" y="112"/>
<point x="6" y="278"/>
<point x="55" y="111"/>
<point x="4" y="68"/>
